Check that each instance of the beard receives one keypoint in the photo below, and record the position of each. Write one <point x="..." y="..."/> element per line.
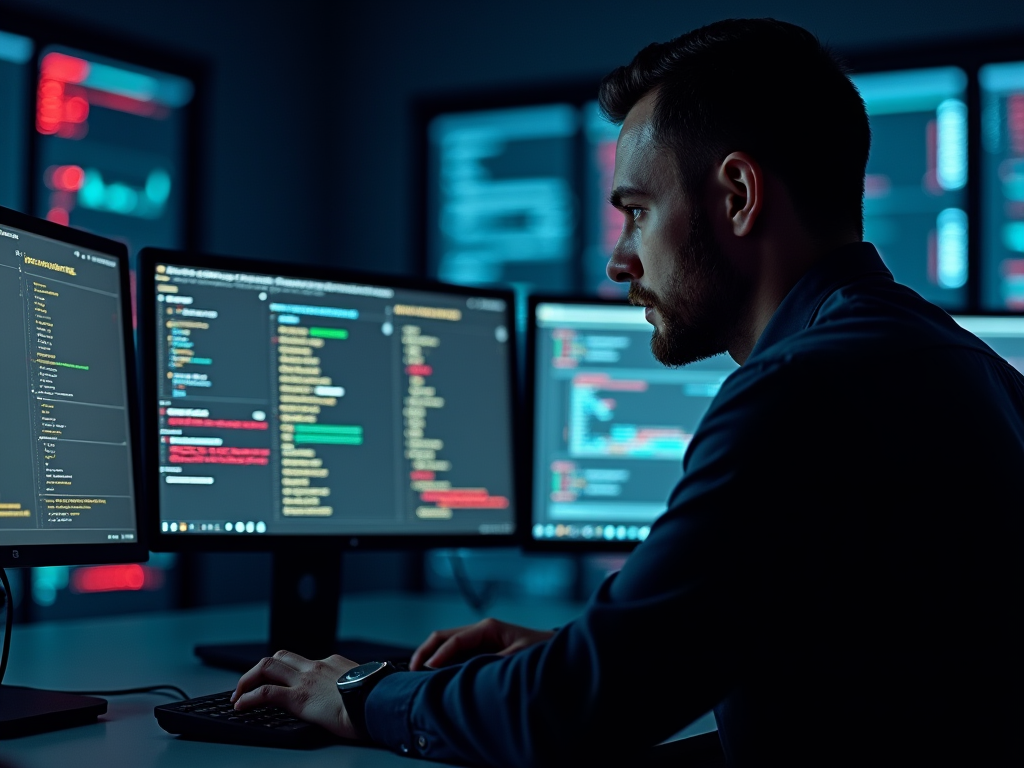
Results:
<point x="700" y="304"/>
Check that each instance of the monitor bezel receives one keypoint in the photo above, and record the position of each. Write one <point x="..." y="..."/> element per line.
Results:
<point x="530" y="544"/>
<point x="78" y="554"/>
<point x="268" y="542"/>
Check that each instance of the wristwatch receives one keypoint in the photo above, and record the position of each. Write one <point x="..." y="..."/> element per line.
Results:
<point x="356" y="684"/>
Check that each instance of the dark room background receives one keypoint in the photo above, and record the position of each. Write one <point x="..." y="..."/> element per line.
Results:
<point x="309" y="143"/>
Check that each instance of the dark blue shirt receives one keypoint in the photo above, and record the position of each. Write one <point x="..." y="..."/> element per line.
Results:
<point x="837" y="575"/>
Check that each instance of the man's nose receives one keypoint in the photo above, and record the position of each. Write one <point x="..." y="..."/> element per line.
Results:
<point x="624" y="263"/>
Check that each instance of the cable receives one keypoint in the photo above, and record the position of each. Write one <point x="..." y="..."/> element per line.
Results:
<point x="8" y="623"/>
<point x="478" y="601"/>
<point x="161" y="689"/>
<point x="5" y="654"/>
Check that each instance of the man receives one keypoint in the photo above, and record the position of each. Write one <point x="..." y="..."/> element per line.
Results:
<point x="837" y="573"/>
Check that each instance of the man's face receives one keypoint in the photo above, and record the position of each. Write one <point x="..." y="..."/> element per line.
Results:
<point x="667" y="249"/>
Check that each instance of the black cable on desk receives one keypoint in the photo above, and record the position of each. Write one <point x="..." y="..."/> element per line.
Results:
<point x="161" y="689"/>
<point x="5" y="654"/>
<point x="8" y="623"/>
<point x="478" y="601"/>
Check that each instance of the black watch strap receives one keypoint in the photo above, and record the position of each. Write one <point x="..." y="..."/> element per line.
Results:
<point x="355" y="697"/>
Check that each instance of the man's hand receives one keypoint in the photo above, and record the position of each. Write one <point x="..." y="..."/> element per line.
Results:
<point x="453" y="646"/>
<point x="306" y="689"/>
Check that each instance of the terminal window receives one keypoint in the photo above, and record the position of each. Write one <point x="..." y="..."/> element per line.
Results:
<point x="611" y="424"/>
<point x="65" y="447"/>
<point x="305" y="407"/>
<point x="915" y="198"/>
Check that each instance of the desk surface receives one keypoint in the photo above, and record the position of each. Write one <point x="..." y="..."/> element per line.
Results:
<point x="150" y="649"/>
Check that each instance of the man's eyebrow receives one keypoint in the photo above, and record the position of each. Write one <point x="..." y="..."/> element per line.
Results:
<point x="615" y="198"/>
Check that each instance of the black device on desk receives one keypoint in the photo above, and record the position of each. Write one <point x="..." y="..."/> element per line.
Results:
<point x="69" y="482"/>
<point x="213" y="718"/>
<point x="305" y="411"/>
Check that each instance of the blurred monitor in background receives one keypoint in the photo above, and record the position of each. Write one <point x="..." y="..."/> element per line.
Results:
<point x="111" y="147"/>
<point x="915" y="190"/>
<point x="502" y="202"/>
<point x="603" y="222"/>
<point x="1002" y="168"/>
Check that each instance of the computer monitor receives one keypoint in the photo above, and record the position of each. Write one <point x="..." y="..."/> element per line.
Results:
<point x="307" y="411"/>
<point x="915" y="191"/>
<point x="112" y="146"/>
<point x="610" y="424"/>
<point x="603" y="222"/>
<point x="1002" y="196"/>
<point x="1004" y="333"/>
<point x="501" y="200"/>
<point x="69" y="478"/>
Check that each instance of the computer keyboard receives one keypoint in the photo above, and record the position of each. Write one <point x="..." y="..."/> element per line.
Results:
<point x="213" y="718"/>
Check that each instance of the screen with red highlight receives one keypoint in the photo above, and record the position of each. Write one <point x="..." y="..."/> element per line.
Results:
<point x="112" y="148"/>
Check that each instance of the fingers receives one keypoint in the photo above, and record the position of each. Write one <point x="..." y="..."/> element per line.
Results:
<point x="303" y="688"/>
<point x="466" y="643"/>
<point x="283" y="667"/>
<point x="429" y="646"/>
<point x="264" y="695"/>
<point x="293" y="660"/>
<point x="453" y="646"/>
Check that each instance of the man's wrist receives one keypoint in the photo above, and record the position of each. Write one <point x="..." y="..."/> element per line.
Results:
<point x="346" y="728"/>
<point x="355" y="686"/>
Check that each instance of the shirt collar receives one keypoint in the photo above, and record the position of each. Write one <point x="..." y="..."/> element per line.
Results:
<point x="799" y="309"/>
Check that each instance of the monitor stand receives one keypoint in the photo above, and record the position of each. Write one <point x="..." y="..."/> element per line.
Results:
<point x="304" y="601"/>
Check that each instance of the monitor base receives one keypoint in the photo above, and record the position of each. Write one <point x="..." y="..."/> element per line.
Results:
<point x="25" y="711"/>
<point x="241" y="657"/>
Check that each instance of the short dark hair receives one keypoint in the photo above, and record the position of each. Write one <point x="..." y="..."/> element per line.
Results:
<point x="764" y="87"/>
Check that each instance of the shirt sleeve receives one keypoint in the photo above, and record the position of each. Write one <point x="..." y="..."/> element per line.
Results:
<point x="658" y="645"/>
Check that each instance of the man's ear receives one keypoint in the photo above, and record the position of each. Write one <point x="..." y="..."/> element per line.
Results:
<point x="742" y="184"/>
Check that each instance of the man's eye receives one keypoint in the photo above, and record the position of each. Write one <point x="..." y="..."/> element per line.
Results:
<point x="633" y="213"/>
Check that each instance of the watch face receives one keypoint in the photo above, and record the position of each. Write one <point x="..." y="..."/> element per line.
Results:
<point x="356" y="675"/>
